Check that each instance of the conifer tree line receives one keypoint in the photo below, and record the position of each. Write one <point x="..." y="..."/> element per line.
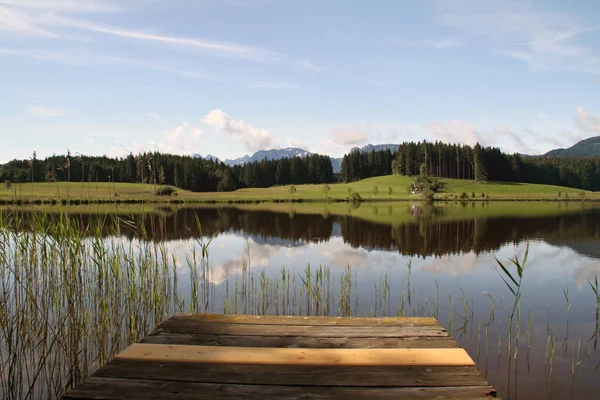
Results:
<point x="437" y="159"/>
<point x="483" y="164"/>
<point x="361" y="165"/>
<point x="185" y="172"/>
<point x="311" y="169"/>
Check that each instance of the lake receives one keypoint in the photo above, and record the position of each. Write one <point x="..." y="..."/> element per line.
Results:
<point x="81" y="283"/>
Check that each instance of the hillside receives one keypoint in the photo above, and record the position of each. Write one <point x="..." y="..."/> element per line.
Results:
<point x="587" y="147"/>
<point x="338" y="191"/>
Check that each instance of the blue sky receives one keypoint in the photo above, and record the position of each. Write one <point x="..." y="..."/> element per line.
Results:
<point x="231" y="77"/>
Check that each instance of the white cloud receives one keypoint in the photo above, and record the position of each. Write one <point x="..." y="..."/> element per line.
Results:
<point x="586" y="122"/>
<point x="46" y="112"/>
<point x="349" y="136"/>
<point x="544" y="40"/>
<point x="440" y="44"/>
<point x="254" y="138"/>
<point x="181" y="140"/>
<point x="84" y="58"/>
<point x="454" y="131"/>
<point x="445" y="43"/>
<point x="305" y="64"/>
<point x="228" y="49"/>
<point x="271" y="85"/>
<point x="260" y="256"/>
<point x="156" y="117"/>
<point x="294" y="143"/>
<point x="56" y="18"/>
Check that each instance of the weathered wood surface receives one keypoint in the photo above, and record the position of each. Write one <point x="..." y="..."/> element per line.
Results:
<point x="248" y="357"/>
<point x="303" y="375"/>
<point x="117" y="388"/>
<point x="268" y="355"/>
<point x="313" y="321"/>
<point x="183" y="326"/>
<point x="199" y="339"/>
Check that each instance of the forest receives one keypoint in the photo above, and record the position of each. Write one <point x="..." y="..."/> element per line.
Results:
<point x="476" y="163"/>
<point x="190" y="173"/>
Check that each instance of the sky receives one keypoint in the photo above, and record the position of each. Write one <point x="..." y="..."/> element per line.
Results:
<point x="230" y="77"/>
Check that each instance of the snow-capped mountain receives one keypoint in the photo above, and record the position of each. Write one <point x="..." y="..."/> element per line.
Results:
<point x="377" y="147"/>
<point x="273" y="154"/>
<point x="207" y="157"/>
<point x="276" y="154"/>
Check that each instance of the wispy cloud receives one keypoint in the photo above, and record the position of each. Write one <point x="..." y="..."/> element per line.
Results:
<point x="271" y="85"/>
<point x="46" y="112"/>
<point x="440" y="43"/>
<point x="85" y="58"/>
<point x="545" y="40"/>
<point x="156" y="117"/>
<point x="305" y="64"/>
<point x="66" y="19"/>
<point x="445" y="43"/>
<point x="222" y="48"/>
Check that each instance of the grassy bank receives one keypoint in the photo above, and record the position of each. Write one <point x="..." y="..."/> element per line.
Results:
<point x="372" y="189"/>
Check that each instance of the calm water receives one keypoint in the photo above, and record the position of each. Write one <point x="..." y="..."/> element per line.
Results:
<point x="408" y="260"/>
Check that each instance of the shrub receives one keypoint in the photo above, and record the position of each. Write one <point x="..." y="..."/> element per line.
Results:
<point x="473" y="195"/>
<point x="356" y="198"/>
<point x="428" y="194"/>
<point x="464" y="195"/>
<point x="165" y="191"/>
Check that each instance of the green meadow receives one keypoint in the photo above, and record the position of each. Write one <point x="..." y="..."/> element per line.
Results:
<point x="372" y="189"/>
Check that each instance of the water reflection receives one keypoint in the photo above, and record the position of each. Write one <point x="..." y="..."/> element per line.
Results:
<point x="405" y="260"/>
<point x="413" y="230"/>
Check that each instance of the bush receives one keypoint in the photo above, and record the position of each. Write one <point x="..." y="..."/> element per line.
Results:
<point x="482" y="195"/>
<point x="356" y="198"/>
<point x="473" y="195"/>
<point x="165" y="191"/>
<point x="464" y="195"/>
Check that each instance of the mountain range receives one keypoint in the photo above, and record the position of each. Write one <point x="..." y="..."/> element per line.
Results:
<point x="289" y="152"/>
<point x="586" y="147"/>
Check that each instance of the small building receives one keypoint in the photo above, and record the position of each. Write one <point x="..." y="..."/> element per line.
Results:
<point x="417" y="187"/>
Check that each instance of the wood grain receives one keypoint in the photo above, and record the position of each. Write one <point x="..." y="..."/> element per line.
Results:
<point x="267" y="355"/>
<point x="301" y="375"/>
<point x="117" y="388"/>
<point x="299" y="320"/>
<point x="411" y="342"/>
<point x="185" y="326"/>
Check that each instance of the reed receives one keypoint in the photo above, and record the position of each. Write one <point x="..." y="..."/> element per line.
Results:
<point x="72" y="298"/>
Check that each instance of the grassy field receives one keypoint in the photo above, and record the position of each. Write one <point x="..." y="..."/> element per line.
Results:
<point x="339" y="191"/>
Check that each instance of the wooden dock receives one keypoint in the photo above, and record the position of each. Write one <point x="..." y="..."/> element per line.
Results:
<point x="247" y="357"/>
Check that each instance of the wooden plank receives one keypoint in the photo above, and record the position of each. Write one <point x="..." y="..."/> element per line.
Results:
<point x="263" y="355"/>
<point x="189" y="326"/>
<point x="298" y="320"/>
<point x="300" y="341"/>
<point x="116" y="388"/>
<point x="302" y="375"/>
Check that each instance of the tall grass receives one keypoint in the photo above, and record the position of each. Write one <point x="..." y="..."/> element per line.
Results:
<point x="69" y="304"/>
<point x="70" y="300"/>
